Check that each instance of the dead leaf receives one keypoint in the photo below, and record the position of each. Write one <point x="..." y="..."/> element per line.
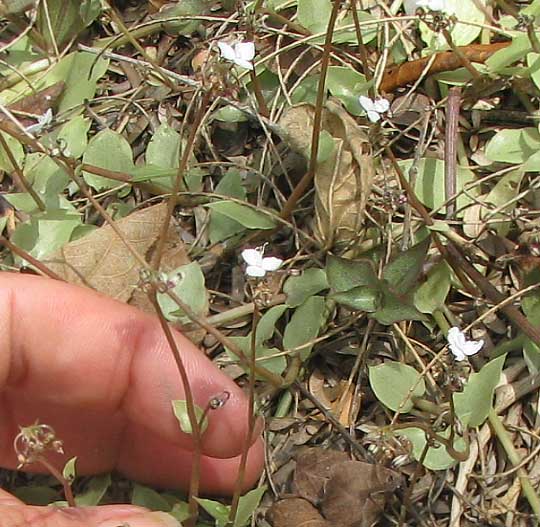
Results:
<point x="356" y="493"/>
<point x="313" y="470"/>
<point x="342" y="181"/>
<point x="295" y="512"/>
<point x="349" y="493"/>
<point x="102" y="261"/>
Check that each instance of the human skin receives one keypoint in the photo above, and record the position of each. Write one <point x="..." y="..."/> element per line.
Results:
<point x="102" y="375"/>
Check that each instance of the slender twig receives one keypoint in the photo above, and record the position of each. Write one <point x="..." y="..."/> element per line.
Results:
<point x="68" y="492"/>
<point x="190" y="404"/>
<point x="304" y="183"/>
<point x="450" y="148"/>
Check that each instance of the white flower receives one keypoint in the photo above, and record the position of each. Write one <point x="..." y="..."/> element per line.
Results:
<point x="460" y="346"/>
<point x="432" y="5"/>
<point x="241" y="53"/>
<point x="258" y="266"/>
<point x="374" y="108"/>
<point x="43" y="120"/>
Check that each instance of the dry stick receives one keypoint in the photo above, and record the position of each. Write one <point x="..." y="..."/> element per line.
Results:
<point x="171" y="203"/>
<point x="190" y="404"/>
<point x="460" y="265"/>
<point x="251" y="418"/>
<point x="450" y="148"/>
<point x="355" y="445"/>
<point x="20" y="177"/>
<point x="465" y="62"/>
<point x="361" y="46"/>
<point x="21" y="253"/>
<point x="304" y="183"/>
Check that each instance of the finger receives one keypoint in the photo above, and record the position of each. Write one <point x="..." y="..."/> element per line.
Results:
<point x="13" y="513"/>
<point x="218" y="476"/>
<point x="96" y="370"/>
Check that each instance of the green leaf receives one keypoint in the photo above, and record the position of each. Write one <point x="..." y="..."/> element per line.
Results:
<point x="59" y="20"/>
<point x="191" y="290"/>
<point x="35" y="495"/>
<point x="395" y="308"/>
<point x="47" y="178"/>
<point x="248" y="217"/>
<point x="69" y="472"/>
<point x="247" y="504"/>
<point x="403" y="271"/>
<point x="433" y="292"/>
<point x="109" y="150"/>
<point x="150" y="499"/>
<point x="342" y="83"/>
<point x="267" y="324"/>
<point x="222" y="227"/>
<point x="164" y="148"/>
<point x="502" y="197"/>
<point x="89" y="10"/>
<point x="518" y="48"/>
<point x="344" y="274"/>
<point x="361" y="298"/>
<point x="437" y="457"/>
<point x="512" y="145"/>
<point x="180" y="412"/>
<point x="429" y="185"/>
<point x="299" y="288"/>
<point x="177" y="17"/>
<point x="94" y="492"/>
<point x="46" y="232"/>
<point x="394" y="384"/>
<point x="230" y="114"/>
<point x="305" y="325"/>
<point x="217" y="510"/>
<point x="314" y="14"/>
<point x="473" y="404"/>
<point x="306" y="91"/>
<point x="16" y="150"/>
<point x="73" y="136"/>
<point x="462" y="33"/>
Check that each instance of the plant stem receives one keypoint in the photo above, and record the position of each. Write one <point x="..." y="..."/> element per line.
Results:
<point x="304" y="183"/>
<point x="190" y="404"/>
<point x="508" y="445"/>
<point x="68" y="493"/>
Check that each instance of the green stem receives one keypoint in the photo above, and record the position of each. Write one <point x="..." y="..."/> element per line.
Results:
<point x="508" y="445"/>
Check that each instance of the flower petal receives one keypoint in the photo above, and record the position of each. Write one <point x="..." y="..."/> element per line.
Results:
<point x="252" y="257"/>
<point x="381" y="105"/>
<point x="243" y="63"/>
<point x="472" y="347"/>
<point x="271" y="263"/>
<point x="373" y="116"/>
<point x="245" y="51"/>
<point x="255" y="271"/>
<point x="227" y="51"/>
<point x="366" y="103"/>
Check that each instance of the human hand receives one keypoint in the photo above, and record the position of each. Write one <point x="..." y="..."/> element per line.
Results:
<point x="102" y="375"/>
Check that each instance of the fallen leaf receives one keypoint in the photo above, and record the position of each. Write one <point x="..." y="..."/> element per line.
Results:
<point x="295" y="512"/>
<point x="349" y="493"/>
<point x="313" y="470"/>
<point x="343" y="177"/>
<point x="102" y="261"/>
<point x="356" y="493"/>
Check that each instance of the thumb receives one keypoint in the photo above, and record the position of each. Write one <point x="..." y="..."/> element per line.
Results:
<point x="14" y="513"/>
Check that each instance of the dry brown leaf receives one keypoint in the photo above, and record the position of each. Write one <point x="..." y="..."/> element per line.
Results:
<point x="349" y="493"/>
<point x="343" y="181"/>
<point x="356" y="493"/>
<point x="102" y="261"/>
<point x="295" y="512"/>
<point x="313" y="470"/>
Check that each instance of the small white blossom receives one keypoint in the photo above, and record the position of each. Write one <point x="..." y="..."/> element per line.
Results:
<point x="43" y="120"/>
<point x="241" y="53"/>
<point x="411" y="6"/>
<point x="258" y="265"/>
<point x="460" y="346"/>
<point x="374" y="108"/>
